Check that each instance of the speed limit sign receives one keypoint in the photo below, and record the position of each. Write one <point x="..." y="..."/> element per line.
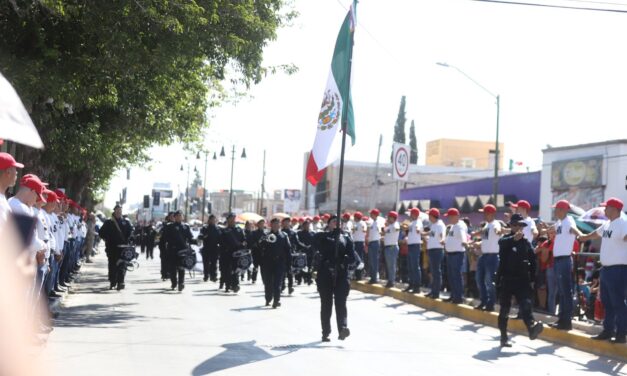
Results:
<point x="401" y="161"/>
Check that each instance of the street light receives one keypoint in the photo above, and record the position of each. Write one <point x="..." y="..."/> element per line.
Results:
<point x="496" y="147"/>
<point x="204" y="183"/>
<point x="187" y="187"/>
<point x="222" y="154"/>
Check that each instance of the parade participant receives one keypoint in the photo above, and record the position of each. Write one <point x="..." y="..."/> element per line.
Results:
<point x="324" y="221"/>
<point x="116" y="231"/>
<point x="489" y="259"/>
<point x="414" y="243"/>
<point x="210" y="236"/>
<point x="530" y="231"/>
<point x="162" y="251"/>
<point x="332" y="278"/>
<point x="148" y="240"/>
<point x="177" y="239"/>
<point x="254" y="240"/>
<point x="390" y="242"/>
<point x="291" y="234"/>
<point x="8" y="178"/>
<point x="373" y="235"/>
<point x="52" y="202"/>
<point x="347" y="224"/>
<point x="231" y="240"/>
<point x="455" y="244"/>
<point x="31" y="190"/>
<point x="315" y="224"/>
<point x="613" y="235"/>
<point x="436" y="232"/>
<point x="305" y="239"/>
<point x="359" y="240"/>
<point x="516" y="271"/>
<point x="276" y="251"/>
<point x="295" y="223"/>
<point x="249" y="227"/>
<point x="566" y="233"/>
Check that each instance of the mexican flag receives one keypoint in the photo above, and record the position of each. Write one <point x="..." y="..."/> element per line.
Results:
<point x="337" y="107"/>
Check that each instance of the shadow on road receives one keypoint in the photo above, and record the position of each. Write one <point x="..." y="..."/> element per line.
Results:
<point x="253" y="308"/>
<point x="96" y="315"/>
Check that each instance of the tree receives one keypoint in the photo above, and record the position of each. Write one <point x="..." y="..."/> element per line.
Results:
<point x="399" y="127"/>
<point x="413" y="144"/>
<point x="105" y="80"/>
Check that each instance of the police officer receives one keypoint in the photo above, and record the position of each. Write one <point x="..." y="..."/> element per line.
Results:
<point x="276" y="252"/>
<point x="177" y="238"/>
<point x="210" y="236"/>
<point x="333" y="278"/>
<point x="305" y="238"/>
<point x="517" y="268"/>
<point x="231" y="240"/>
<point x="254" y="241"/>
<point x="149" y="240"/>
<point x="116" y="231"/>
<point x="162" y="252"/>
<point x="286" y="227"/>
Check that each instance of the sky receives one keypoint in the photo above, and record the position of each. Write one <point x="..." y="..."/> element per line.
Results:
<point x="561" y="76"/>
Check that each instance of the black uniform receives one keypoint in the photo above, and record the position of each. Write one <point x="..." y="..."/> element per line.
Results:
<point x="254" y="242"/>
<point x="305" y="244"/>
<point x="148" y="241"/>
<point x="113" y="238"/>
<point x="333" y="278"/>
<point x="275" y="258"/>
<point x="517" y="268"/>
<point x="176" y="238"/>
<point x="210" y="235"/>
<point x="162" y="253"/>
<point x="291" y="234"/>
<point x="231" y="240"/>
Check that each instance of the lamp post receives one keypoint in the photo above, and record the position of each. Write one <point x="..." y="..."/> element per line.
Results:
<point x="496" y="147"/>
<point x="204" y="184"/>
<point x="222" y="154"/>
<point x="187" y="188"/>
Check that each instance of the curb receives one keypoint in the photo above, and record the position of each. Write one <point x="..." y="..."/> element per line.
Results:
<point x="466" y="312"/>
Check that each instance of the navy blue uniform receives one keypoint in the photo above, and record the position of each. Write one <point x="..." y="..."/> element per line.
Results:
<point x="305" y="244"/>
<point x="177" y="237"/>
<point x="254" y="241"/>
<point x="210" y="236"/>
<point x="113" y="238"/>
<point x="275" y="258"/>
<point x="291" y="234"/>
<point x="333" y="278"/>
<point x="231" y="240"/>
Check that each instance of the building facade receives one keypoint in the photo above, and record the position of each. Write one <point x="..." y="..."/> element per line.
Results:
<point x="462" y="153"/>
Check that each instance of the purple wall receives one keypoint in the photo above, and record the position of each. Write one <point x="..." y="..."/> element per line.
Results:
<point x="521" y="186"/>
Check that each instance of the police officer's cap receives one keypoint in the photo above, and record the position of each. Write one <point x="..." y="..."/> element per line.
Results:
<point x="275" y="220"/>
<point x="517" y="220"/>
<point x="117" y="206"/>
<point x="178" y="212"/>
<point x="230" y="215"/>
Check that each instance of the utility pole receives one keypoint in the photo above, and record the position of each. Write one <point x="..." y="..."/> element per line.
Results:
<point x="263" y="183"/>
<point x="375" y="190"/>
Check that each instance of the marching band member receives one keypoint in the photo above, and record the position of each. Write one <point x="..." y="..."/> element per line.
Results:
<point x="276" y="252"/>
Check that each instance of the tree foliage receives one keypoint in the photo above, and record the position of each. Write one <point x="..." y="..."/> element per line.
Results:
<point x="105" y="80"/>
<point x="413" y="144"/>
<point x="399" y="126"/>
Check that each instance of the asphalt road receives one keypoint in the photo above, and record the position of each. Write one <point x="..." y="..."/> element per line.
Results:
<point x="149" y="330"/>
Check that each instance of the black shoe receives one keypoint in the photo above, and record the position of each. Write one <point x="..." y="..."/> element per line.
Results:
<point x="344" y="332"/>
<point x="372" y="282"/>
<point x="227" y="290"/>
<point x="603" y="336"/>
<point x="488" y="309"/>
<point x="480" y="307"/>
<point x="448" y="300"/>
<point x="112" y="286"/>
<point x="326" y="338"/>
<point x="120" y="286"/>
<point x="221" y="286"/>
<point x="181" y="287"/>
<point x="276" y="304"/>
<point x="53" y="295"/>
<point x="236" y="289"/>
<point x="457" y="301"/>
<point x="60" y="290"/>
<point x="408" y="289"/>
<point x="505" y="342"/>
<point x="619" y="339"/>
<point x="267" y="303"/>
<point x="205" y="279"/>
<point x="389" y="285"/>
<point x="564" y="326"/>
<point x="173" y="287"/>
<point x="290" y="290"/>
<point x="535" y="330"/>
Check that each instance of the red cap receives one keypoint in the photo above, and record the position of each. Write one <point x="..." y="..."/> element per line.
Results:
<point x="316" y="218"/>
<point x="414" y="211"/>
<point x="294" y="219"/>
<point x="326" y="216"/>
<point x="489" y="208"/>
<point x="31" y="176"/>
<point x="434" y="212"/>
<point x="393" y="214"/>
<point x="346" y="216"/>
<point x="451" y="211"/>
<point x="7" y="161"/>
<point x="375" y="212"/>
<point x="562" y="204"/>
<point x="36" y="186"/>
<point x="357" y="215"/>
<point x="613" y="202"/>
<point x="51" y="196"/>
<point x="301" y="220"/>
<point x="522" y="204"/>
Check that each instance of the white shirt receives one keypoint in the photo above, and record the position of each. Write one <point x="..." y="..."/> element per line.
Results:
<point x="374" y="231"/>
<point x="43" y="232"/>
<point x="57" y="232"/>
<point x="564" y="240"/>
<point x="436" y="234"/>
<point x="18" y="207"/>
<point x="456" y="237"/>
<point x="414" y="235"/>
<point x="391" y="234"/>
<point x="528" y="230"/>
<point x="359" y="231"/>
<point x="5" y="209"/>
<point x="490" y="237"/>
<point x="613" y="245"/>
<point x="347" y="226"/>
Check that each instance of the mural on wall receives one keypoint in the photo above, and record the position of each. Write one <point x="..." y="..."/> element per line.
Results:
<point x="580" y="173"/>
<point x="585" y="198"/>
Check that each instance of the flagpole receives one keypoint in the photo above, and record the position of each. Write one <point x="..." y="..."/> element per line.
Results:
<point x="341" y="177"/>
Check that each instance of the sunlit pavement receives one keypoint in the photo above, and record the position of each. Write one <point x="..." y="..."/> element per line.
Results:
<point x="147" y="329"/>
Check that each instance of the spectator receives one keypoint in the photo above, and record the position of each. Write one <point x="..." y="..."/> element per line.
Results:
<point x="390" y="242"/>
<point x="435" y="248"/>
<point x="414" y="248"/>
<point x="455" y="246"/>
<point x="488" y="262"/>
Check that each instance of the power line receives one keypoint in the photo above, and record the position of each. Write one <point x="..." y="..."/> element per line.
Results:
<point x="552" y="6"/>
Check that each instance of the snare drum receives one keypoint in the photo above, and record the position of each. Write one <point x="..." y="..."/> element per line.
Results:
<point x="299" y="262"/>
<point x="128" y="253"/>
<point x="242" y="260"/>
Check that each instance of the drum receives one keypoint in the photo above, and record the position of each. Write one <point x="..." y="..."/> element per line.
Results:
<point x="128" y="253"/>
<point x="299" y="262"/>
<point x="242" y="260"/>
<point x="187" y="258"/>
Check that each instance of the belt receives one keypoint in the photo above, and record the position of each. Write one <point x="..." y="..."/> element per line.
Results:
<point x="615" y="265"/>
<point x="560" y="257"/>
<point x="454" y="251"/>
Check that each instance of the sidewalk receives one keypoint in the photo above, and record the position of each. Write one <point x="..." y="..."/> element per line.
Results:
<point x="577" y="338"/>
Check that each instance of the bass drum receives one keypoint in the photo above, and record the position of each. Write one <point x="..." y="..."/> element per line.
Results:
<point x="242" y="260"/>
<point x="299" y="262"/>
